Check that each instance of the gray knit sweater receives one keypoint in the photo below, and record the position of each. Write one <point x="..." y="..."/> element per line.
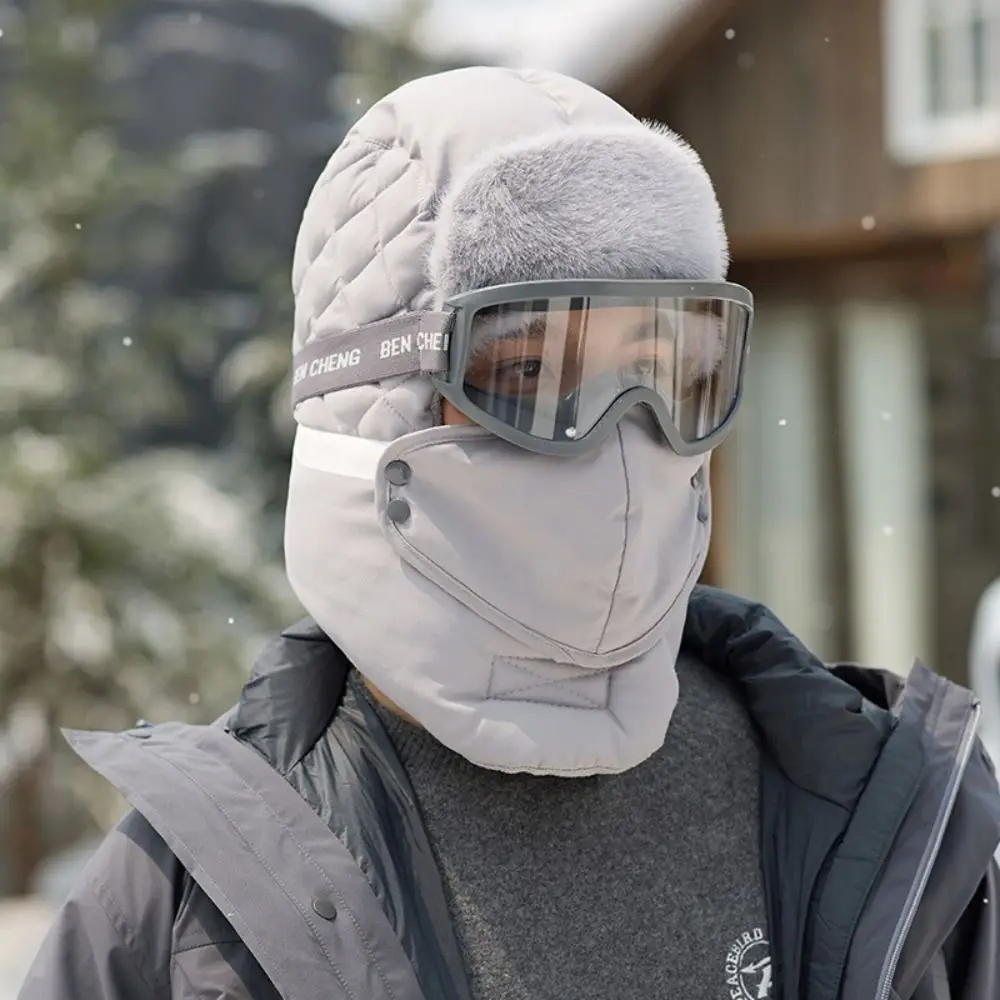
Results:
<point x="639" y="886"/>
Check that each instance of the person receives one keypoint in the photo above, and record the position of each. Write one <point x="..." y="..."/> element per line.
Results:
<point x="515" y="753"/>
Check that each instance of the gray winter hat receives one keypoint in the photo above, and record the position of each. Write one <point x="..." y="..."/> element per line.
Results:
<point x="485" y="176"/>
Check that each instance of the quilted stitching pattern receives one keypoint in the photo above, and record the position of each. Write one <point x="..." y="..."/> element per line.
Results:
<point x="368" y="226"/>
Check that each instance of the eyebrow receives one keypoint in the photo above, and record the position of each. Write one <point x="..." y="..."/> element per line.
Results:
<point x="644" y="330"/>
<point x="494" y="329"/>
<point x="641" y="331"/>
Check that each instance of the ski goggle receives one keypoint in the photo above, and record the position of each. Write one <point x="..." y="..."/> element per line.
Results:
<point x="552" y="366"/>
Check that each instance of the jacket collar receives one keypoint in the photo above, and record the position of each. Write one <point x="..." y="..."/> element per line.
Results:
<point x="823" y="728"/>
<point x="295" y="689"/>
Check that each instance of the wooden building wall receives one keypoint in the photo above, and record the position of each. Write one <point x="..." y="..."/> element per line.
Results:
<point x="785" y="102"/>
<point x="945" y="280"/>
<point x="788" y="117"/>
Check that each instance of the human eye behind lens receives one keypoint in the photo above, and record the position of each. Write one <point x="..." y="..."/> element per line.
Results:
<point x="647" y="362"/>
<point x="645" y="368"/>
<point x="510" y="366"/>
<point x="523" y="368"/>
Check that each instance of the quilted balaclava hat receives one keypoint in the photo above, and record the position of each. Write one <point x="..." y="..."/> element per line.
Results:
<point x="462" y="180"/>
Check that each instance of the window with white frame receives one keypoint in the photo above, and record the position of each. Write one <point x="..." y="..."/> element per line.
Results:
<point x="942" y="64"/>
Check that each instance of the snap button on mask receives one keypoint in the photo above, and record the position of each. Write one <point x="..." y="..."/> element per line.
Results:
<point x="398" y="511"/>
<point x="398" y="473"/>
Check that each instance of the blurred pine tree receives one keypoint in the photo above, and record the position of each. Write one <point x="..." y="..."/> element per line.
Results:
<point x="132" y="582"/>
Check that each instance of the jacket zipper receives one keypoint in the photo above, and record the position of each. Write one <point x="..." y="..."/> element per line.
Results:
<point x="923" y="875"/>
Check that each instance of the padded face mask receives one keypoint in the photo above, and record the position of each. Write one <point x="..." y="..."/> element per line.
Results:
<point x="535" y="592"/>
<point x="552" y="366"/>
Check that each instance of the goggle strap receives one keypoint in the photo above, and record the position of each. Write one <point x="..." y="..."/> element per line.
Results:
<point x="407" y="344"/>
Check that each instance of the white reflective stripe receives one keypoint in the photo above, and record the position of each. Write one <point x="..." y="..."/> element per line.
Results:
<point x="338" y="454"/>
<point x="543" y="424"/>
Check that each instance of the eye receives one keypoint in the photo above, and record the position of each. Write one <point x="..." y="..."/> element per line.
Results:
<point x="522" y="368"/>
<point x="644" y="368"/>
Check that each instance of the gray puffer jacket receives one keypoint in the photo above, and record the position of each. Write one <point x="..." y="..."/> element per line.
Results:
<point x="283" y="855"/>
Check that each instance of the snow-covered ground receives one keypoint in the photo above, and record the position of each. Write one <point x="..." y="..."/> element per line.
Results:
<point x="24" y="922"/>
<point x="23" y="925"/>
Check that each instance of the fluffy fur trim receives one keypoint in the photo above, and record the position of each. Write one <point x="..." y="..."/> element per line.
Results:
<point x="622" y="202"/>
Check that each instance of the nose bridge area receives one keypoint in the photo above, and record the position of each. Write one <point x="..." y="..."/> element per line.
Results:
<point x="641" y="415"/>
<point x="664" y="536"/>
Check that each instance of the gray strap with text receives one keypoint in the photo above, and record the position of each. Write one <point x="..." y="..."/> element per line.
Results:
<point x="405" y="344"/>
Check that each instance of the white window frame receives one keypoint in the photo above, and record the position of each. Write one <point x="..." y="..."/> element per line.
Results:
<point x="912" y="135"/>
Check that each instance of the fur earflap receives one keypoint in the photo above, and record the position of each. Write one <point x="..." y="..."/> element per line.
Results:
<point x="629" y="201"/>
